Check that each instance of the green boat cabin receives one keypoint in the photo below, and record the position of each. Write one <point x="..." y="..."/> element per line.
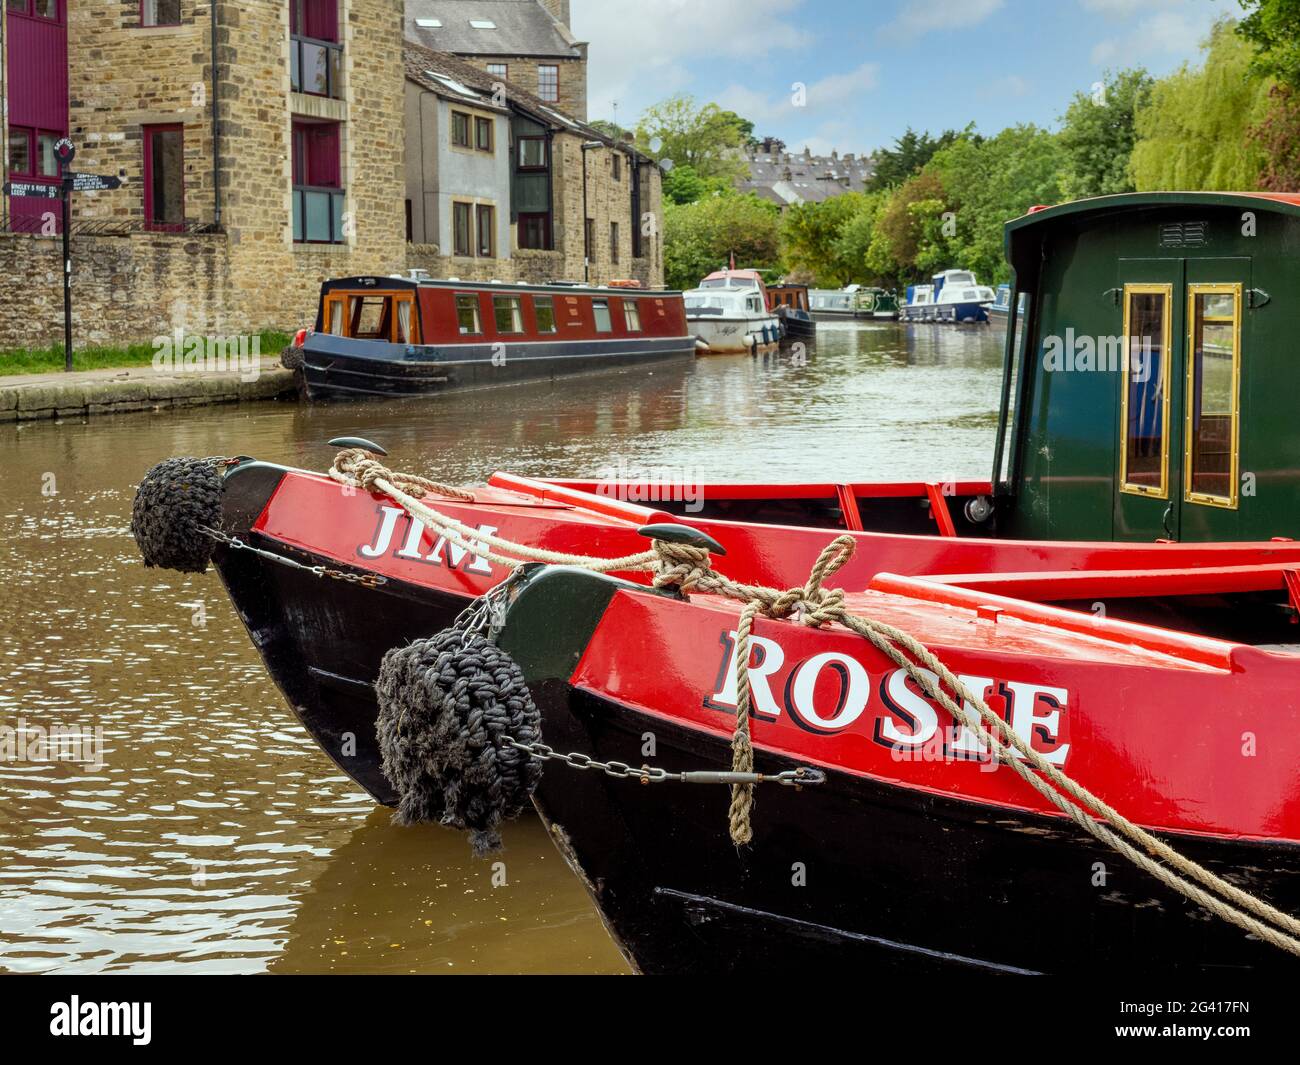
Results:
<point x="1150" y="368"/>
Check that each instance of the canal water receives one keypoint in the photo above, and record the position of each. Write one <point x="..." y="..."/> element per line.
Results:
<point x="214" y="837"/>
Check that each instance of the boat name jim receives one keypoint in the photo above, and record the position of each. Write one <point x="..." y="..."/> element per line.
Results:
<point x="832" y="692"/>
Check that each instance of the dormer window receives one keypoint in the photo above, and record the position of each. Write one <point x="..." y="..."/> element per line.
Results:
<point x="482" y="23"/>
<point x="429" y="23"/>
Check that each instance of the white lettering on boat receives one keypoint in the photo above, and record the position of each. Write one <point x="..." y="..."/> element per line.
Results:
<point x="444" y="552"/>
<point x="831" y="692"/>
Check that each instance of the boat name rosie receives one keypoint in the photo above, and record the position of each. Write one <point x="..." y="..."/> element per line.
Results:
<point x="451" y="555"/>
<point x="907" y="722"/>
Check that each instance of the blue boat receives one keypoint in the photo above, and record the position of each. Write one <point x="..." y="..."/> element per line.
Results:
<point x="952" y="296"/>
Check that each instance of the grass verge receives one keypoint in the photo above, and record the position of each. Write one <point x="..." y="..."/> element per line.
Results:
<point x="50" y="360"/>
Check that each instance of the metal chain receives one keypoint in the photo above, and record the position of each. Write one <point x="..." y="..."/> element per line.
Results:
<point x="646" y="774"/>
<point x="367" y="580"/>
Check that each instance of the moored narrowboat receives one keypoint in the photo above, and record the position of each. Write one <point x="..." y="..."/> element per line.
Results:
<point x="394" y="336"/>
<point x="1142" y="434"/>
<point x="790" y="304"/>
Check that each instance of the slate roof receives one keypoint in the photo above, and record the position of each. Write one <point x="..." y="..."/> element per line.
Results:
<point x="422" y="63"/>
<point x="521" y="28"/>
<point x="798" y="177"/>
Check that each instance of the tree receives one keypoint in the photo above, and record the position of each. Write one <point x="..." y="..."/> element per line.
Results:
<point x="612" y="130"/>
<point x="904" y="235"/>
<point x="743" y="126"/>
<point x="707" y="139"/>
<point x="683" y="185"/>
<point x="1098" y="135"/>
<point x="1273" y="27"/>
<point x="810" y="238"/>
<point x="905" y="159"/>
<point x="1193" y="131"/>
<point x="701" y="237"/>
<point x="1278" y="136"/>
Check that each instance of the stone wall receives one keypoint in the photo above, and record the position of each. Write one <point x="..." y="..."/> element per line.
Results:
<point x="523" y="72"/>
<point x="128" y="288"/>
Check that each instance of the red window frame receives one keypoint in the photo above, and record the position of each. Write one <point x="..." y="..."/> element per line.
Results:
<point x="149" y="220"/>
<point x="541" y="87"/>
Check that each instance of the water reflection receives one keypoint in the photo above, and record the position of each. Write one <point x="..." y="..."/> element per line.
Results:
<point x="215" y="837"/>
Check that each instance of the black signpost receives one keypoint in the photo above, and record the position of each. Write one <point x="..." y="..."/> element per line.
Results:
<point x="71" y="181"/>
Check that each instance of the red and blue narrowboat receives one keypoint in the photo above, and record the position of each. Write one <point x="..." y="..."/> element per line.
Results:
<point x="1123" y="594"/>
<point x="394" y="336"/>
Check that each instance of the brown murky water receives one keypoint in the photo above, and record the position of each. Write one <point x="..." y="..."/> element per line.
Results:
<point x="214" y="837"/>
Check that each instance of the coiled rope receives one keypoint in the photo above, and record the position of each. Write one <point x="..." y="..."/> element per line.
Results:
<point x="689" y="568"/>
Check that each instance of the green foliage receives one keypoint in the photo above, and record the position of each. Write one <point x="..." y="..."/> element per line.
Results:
<point x="1273" y="27"/>
<point x="1193" y="129"/>
<point x="700" y="237"/>
<point x="683" y="185"/>
<point x="812" y="235"/>
<point x="1098" y="135"/>
<point x="906" y="158"/>
<point x="1278" y="135"/>
<point x="703" y="138"/>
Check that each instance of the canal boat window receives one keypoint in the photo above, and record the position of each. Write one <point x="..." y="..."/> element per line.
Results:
<point x="1144" y="419"/>
<point x="1213" y="381"/>
<point x="631" y="316"/>
<point x="1017" y="342"/>
<point x="370" y="317"/>
<point x="467" y="314"/>
<point x="509" y="316"/>
<point x="460" y="129"/>
<point x="334" y="316"/>
<point x="483" y="134"/>
<point x="461" y="227"/>
<point x="600" y="310"/>
<point x="544" y="310"/>
<point x="532" y="153"/>
<point x="486" y="231"/>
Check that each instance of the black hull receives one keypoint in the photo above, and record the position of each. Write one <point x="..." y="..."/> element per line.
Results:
<point x="338" y="368"/>
<point x="797" y="329"/>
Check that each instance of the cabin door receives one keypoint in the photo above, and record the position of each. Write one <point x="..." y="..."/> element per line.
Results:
<point x="1181" y="332"/>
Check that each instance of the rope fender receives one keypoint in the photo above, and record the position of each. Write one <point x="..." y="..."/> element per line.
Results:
<point x="444" y="705"/>
<point x="176" y="501"/>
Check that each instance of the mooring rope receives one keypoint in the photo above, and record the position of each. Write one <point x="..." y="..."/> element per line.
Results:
<point x="689" y="568"/>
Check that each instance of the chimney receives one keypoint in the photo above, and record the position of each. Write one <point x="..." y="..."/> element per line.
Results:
<point x="559" y="10"/>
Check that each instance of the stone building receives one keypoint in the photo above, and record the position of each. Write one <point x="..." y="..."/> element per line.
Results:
<point x="787" y="178"/>
<point x="260" y="147"/>
<point x="485" y="156"/>
<point x="526" y="42"/>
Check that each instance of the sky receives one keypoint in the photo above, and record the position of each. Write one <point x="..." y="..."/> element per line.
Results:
<point x="871" y="68"/>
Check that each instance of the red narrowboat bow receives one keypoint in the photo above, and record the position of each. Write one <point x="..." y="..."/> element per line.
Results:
<point x="1162" y="676"/>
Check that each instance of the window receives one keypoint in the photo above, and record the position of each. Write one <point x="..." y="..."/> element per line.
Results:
<point x="370" y="317"/>
<point x="509" y="317"/>
<point x="548" y="83"/>
<point x="158" y="12"/>
<point x="47" y="163"/>
<point x="544" y="310"/>
<point x="1144" y="418"/>
<point x="467" y="314"/>
<point x="1213" y="380"/>
<point x="535" y="231"/>
<point x="613" y="242"/>
<point x="486" y="231"/>
<point x="46" y="9"/>
<point x="617" y="163"/>
<point x="499" y="70"/>
<point x="20" y="151"/>
<point x="482" y="23"/>
<point x="315" y="56"/>
<point x="483" y="134"/>
<point x="532" y="153"/>
<point x="589" y="237"/>
<point x="631" y="316"/>
<point x="600" y="310"/>
<point x="164" y="177"/>
<point x="317" y="197"/>
<point x="460" y="129"/>
<point x="461" y="227"/>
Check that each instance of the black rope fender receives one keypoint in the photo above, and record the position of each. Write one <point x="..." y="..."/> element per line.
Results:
<point x="445" y="705"/>
<point x="176" y="501"/>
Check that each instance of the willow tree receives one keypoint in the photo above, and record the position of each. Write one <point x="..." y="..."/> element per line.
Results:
<point x="1194" y="130"/>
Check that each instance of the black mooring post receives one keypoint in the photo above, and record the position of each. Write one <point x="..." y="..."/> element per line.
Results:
<point x="67" y="278"/>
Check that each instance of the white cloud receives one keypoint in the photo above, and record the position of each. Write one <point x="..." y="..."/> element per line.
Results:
<point x="832" y="92"/>
<point x="919" y="17"/>
<point x="1175" y="30"/>
<point x="643" y="52"/>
